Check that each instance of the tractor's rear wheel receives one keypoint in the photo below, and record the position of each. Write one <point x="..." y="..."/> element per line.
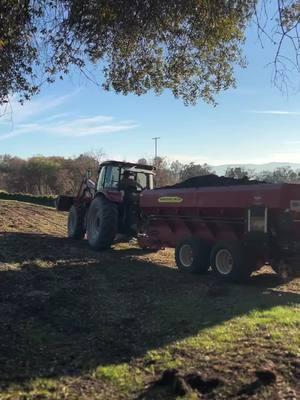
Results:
<point x="102" y="223"/>
<point x="76" y="228"/>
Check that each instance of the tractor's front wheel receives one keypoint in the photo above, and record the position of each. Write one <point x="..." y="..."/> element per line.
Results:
<point x="102" y="223"/>
<point x="76" y="228"/>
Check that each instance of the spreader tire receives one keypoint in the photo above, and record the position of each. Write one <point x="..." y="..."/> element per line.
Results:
<point x="192" y="255"/>
<point x="229" y="261"/>
<point x="102" y="223"/>
<point x="76" y="229"/>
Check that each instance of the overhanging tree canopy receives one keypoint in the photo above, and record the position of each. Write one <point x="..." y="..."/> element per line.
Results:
<point x="187" y="46"/>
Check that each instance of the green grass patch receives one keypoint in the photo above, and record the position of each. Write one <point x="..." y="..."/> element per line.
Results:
<point x="121" y="376"/>
<point x="281" y="323"/>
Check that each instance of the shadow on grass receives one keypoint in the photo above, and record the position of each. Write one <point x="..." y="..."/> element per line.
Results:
<point x="65" y="309"/>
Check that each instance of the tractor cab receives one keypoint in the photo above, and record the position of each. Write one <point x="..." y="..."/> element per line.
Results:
<point x="118" y="175"/>
<point x="121" y="184"/>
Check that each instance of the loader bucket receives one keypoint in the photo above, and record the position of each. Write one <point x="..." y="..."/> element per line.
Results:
<point x="64" y="203"/>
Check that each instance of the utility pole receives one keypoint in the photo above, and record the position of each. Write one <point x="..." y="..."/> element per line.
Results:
<point x="155" y="144"/>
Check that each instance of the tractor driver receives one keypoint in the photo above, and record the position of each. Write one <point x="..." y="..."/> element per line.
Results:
<point x="127" y="182"/>
<point x="130" y="186"/>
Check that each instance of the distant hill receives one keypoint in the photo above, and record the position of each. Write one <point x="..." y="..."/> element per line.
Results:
<point x="220" y="169"/>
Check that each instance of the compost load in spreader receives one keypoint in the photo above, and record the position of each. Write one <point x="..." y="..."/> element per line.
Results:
<point x="213" y="180"/>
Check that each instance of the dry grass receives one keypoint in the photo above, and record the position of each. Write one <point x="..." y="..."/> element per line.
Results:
<point x="21" y="217"/>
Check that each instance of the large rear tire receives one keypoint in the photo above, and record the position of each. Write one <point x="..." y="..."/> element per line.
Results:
<point x="231" y="262"/>
<point x="192" y="255"/>
<point x="102" y="223"/>
<point x="76" y="228"/>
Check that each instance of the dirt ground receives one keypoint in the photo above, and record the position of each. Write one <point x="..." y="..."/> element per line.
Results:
<point x="125" y="324"/>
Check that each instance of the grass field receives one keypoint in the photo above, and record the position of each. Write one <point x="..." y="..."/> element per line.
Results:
<point x="125" y="324"/>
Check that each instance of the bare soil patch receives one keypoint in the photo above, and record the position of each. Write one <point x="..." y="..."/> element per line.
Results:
<point x="75" y="323"/>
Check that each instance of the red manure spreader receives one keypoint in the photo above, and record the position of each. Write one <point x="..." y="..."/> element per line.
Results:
<point x="233" y="226"/>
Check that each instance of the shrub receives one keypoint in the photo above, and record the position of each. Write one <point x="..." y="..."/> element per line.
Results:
<point x="29" y="198"/>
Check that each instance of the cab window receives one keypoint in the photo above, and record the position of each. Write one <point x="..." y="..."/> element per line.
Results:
<point x="100" y="183"/>
<point x="112" y="177"/>
<point x="142" y="179"/>
<point x="108" y="178"/>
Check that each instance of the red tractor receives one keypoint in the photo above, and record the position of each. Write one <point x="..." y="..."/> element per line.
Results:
<point x="102" y="210"/>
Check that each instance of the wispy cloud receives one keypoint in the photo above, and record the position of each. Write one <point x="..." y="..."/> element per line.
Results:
<point x="43" y="117"/>
<point x="34" y="108"/>
<point x="82" y="126"/>
<point x="275" y="112"/>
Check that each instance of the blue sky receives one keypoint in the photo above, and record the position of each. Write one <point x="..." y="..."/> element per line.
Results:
<point x="254" y="123"/>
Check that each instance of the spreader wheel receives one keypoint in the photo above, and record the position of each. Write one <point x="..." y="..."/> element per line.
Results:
<point x="76" y="229"/>
<point x="192" y="255"/>
<point x="230" y="262"/>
